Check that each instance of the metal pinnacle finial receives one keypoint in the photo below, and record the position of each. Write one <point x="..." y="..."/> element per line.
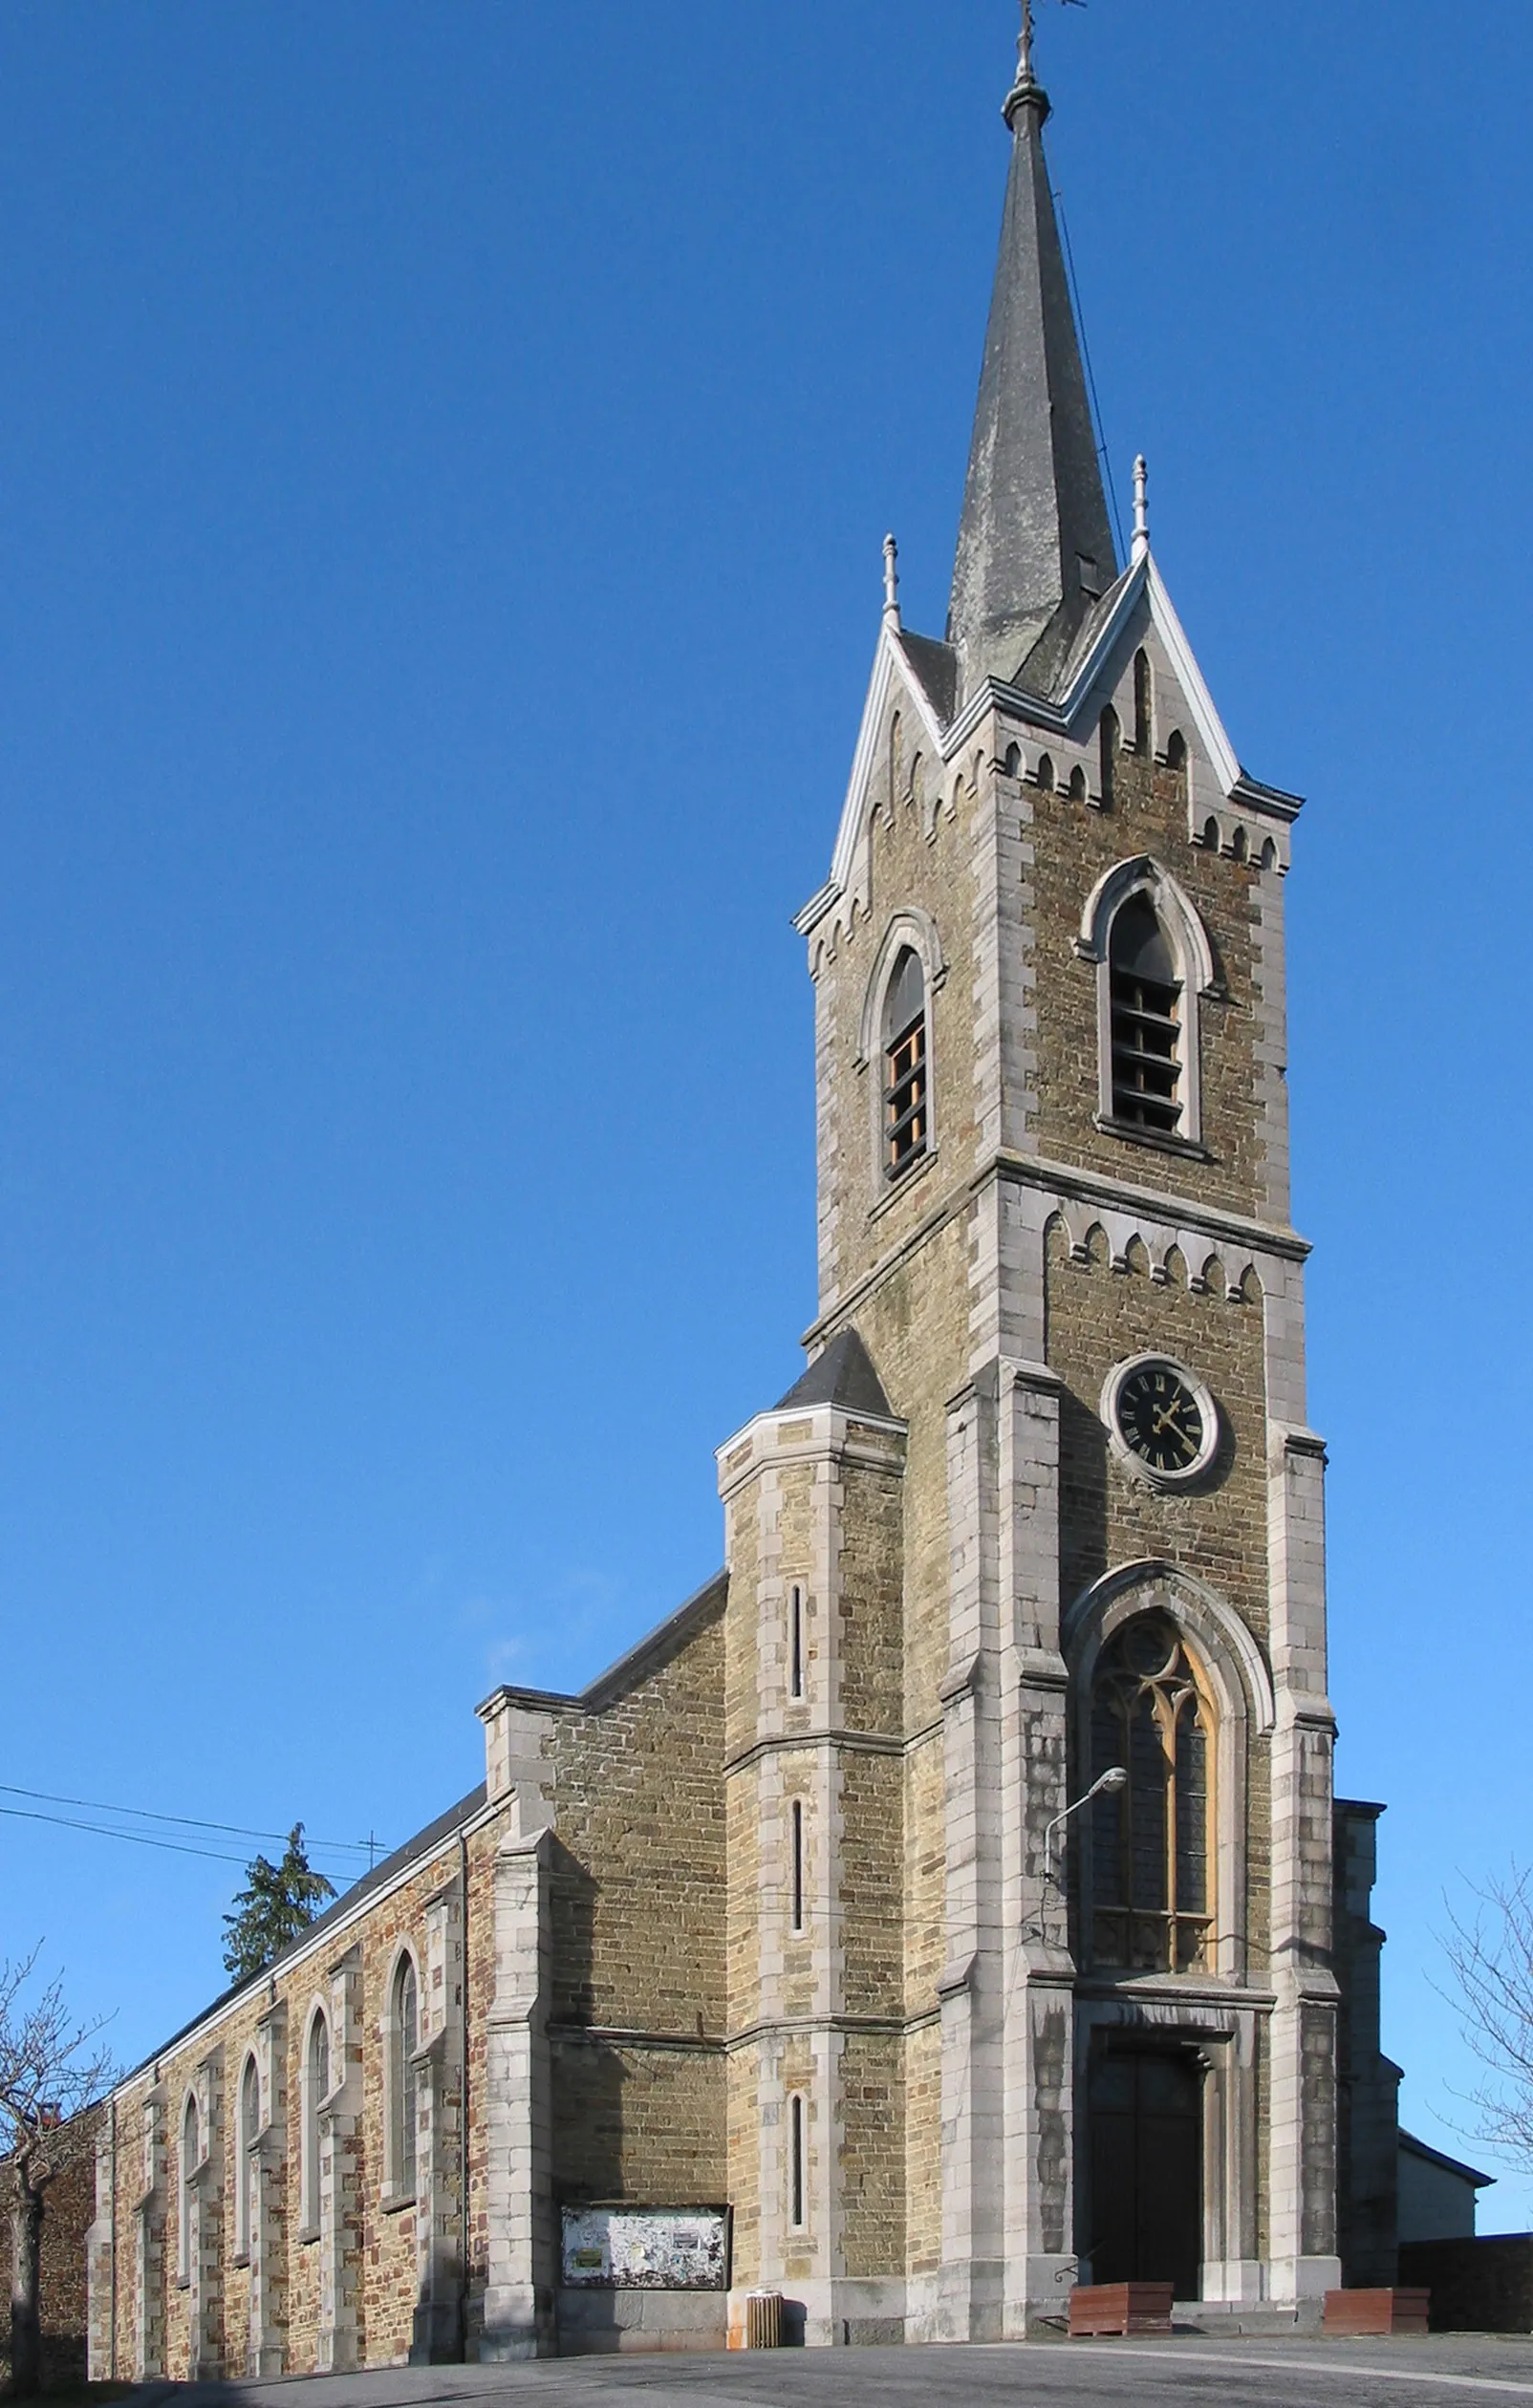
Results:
<point x="1141" y="508"/>
<point x="1025" y="45"/>
<point x="891" y="582"/>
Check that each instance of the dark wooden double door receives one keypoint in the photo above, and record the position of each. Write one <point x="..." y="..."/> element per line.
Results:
<point x="1146" y="2111"/>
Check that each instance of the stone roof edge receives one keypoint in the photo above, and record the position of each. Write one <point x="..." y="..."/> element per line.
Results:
<point x="1439" y="2156"/>
<point x="654" y="1649"/>
<point x="889" y="655"/>
<point x="396" y="1869"/>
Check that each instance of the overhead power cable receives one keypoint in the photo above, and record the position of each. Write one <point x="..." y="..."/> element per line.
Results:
<point x="183" y="1822"/>
<point x="142" y="1838"/>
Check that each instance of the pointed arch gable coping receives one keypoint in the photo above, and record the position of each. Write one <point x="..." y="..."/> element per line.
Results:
<point x="1143" y="584"/>
<point x="889" y="665"/>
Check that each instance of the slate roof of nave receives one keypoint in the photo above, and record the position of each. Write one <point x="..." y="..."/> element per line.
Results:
<point x="424" y="1844"/>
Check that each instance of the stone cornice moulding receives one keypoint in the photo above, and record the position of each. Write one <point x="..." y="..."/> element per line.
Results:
<point x="828" y="1430"/>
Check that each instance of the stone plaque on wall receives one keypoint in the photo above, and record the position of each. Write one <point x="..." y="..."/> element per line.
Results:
<point x="647" y="2248"/>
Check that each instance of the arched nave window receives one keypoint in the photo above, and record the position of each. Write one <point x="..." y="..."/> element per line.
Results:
<point x="1151" y="1878"/>
<point x="189" y="2154"/>
<point x="316" y="2087"/>
<point x="406" y="2020"/>
<point x="244" y="2171"/>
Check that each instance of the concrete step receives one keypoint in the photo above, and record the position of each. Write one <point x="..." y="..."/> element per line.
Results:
<point x="1255" y="2322"/>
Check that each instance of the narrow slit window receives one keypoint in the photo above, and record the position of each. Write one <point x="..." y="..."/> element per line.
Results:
<point x="796" y="1646"/>
<point x="795" y="2167"/>
<point x="1147" y="1022"/>
<point x="906" y="1119"/>
<point x="798" y="1866"/>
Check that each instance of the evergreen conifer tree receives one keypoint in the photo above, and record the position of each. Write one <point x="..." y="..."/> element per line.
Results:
<point x="278" y="1904"/>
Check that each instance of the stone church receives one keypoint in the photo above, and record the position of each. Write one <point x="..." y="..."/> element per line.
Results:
<point x="949" y="1902"/>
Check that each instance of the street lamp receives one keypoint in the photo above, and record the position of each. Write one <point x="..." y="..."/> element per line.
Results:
<point x="1105" y="1785"/>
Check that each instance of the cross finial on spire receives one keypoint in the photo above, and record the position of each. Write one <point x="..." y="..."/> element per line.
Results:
<point x="1027" y="86"/>
<point x="1024" y="44"/>
<point x="891" y="582"/>
<point x="1141" y="508"/>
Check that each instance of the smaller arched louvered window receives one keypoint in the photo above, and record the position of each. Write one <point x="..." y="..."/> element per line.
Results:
<point x="906" y="1116"/>
<point x="1147" y="1020"/>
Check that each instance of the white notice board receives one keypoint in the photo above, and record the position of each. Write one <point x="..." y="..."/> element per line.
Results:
<point x="646" y="2249"/>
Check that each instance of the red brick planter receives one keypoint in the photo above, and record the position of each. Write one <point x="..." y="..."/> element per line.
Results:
<point x="1103" y="2309"/>
<point x="1375" y="2312"/>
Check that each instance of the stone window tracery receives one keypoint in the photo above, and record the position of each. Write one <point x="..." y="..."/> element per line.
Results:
<point x="1150" y="1875"/>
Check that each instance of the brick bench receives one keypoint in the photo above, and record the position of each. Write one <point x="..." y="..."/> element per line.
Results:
<point x="1375" y="2312"/>
<point x="1111" y="2309"/>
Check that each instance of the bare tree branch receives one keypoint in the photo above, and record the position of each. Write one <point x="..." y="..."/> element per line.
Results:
<point x="1490" y="1958"/>
<point x="53" y="2073"/>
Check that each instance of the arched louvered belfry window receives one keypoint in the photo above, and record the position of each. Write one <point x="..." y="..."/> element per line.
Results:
<point x="1147" y="1020"/>
<point x="906" y="1116"/>
<point x="407" y="2038"/>
<point x="1151" y="1883"/>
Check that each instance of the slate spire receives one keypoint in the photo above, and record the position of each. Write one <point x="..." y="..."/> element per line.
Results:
<point x="1034" y="547"/>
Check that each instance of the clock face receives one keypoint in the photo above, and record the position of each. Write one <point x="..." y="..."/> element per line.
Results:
<point x="1160" y="1419"/>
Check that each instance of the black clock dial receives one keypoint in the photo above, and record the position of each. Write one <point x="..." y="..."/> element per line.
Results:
<point x="1160" y="1418"/>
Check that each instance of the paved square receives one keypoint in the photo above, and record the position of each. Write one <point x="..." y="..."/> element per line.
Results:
<point x="1449" y="2371"/>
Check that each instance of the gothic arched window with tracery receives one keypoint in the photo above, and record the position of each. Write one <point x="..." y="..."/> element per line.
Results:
<point x="1151" y="1884"/>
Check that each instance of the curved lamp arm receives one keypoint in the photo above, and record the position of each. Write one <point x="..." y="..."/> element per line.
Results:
<point x="1108" y="1784"/>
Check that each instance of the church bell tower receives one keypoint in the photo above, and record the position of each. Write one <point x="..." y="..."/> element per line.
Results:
<point x="1029" y="1768"/>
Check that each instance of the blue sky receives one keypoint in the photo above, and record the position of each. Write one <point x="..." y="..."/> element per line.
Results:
<point x="444" y="452"/>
